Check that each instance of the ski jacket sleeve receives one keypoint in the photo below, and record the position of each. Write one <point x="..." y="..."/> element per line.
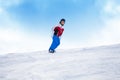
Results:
<point x="58" y="31"/>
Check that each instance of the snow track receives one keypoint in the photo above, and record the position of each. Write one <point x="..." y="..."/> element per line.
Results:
<point x="99" y="63"/>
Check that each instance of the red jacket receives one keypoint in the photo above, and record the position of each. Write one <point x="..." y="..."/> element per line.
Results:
<point x="58" y="31"/>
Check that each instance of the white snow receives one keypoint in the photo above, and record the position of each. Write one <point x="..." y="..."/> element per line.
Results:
<point x="99" y="63"/>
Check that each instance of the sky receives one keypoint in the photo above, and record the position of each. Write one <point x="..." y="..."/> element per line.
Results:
<point x="26" y="25"/>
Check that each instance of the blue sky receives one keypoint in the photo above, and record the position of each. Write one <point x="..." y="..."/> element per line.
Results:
<point x="26" y="24"/>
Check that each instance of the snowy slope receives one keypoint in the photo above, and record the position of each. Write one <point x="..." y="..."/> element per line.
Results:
<point x="99" y="63"/>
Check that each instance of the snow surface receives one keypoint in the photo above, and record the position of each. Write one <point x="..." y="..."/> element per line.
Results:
<point x="99" y="63"/>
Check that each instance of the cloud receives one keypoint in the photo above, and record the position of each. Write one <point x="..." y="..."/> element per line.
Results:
<point x="8" y="35"/>
<point x="110" y="15"/>
<point x="14" y="40"/>
<point x="112" y="8"/>
<point x="1" y="10"/>
<point x="13" y="37"/>
<point x="7" y="3"/>
<point x="109" y="7"/>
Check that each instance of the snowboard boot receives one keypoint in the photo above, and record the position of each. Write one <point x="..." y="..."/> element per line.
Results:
<point x="51" y="51"/>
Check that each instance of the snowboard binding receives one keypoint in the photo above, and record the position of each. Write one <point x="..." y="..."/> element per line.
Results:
<point x="51" y="51"/>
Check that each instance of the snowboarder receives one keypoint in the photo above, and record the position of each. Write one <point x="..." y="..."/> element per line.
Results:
<point x="58" y="31"/>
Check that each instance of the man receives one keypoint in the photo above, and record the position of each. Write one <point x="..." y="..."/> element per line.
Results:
<point x="58" y="31"/>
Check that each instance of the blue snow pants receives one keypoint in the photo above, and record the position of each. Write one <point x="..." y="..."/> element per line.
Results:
<point x="55" y="43"/>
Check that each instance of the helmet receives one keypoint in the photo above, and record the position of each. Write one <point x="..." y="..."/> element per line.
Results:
<point x="62" y="20"/>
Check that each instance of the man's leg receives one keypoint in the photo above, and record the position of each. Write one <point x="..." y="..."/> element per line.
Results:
<point x="55" y="43"/>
